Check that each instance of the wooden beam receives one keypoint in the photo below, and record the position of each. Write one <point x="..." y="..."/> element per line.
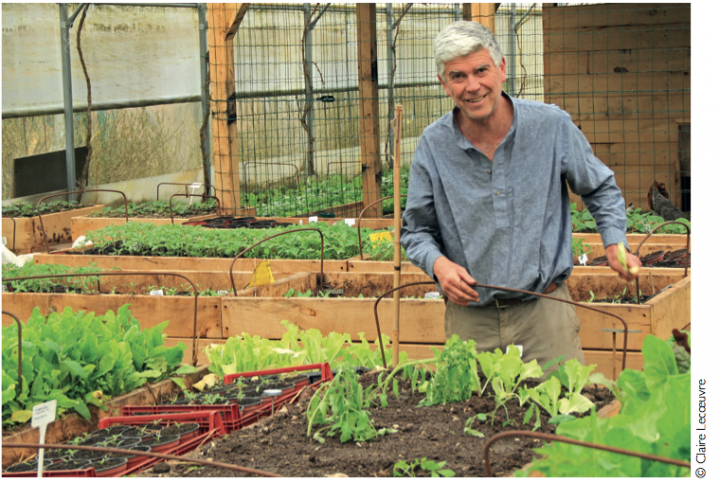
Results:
<point x="224" y="109"/>
<point x="236" y="22"/>
<point x="484" y="13"/>
<point x="369" y="108"/>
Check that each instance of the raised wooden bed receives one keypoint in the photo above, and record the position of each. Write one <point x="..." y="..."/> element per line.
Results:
<point x="72" y="425"/>
<point x="422" y="321"/>
<point x="149" y="310"/>
<point x="29" y="235"/>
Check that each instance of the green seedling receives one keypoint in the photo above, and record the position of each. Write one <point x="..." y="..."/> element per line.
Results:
<point x="409" y="469"/>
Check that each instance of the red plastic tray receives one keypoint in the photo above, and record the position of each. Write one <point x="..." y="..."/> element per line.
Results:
<point x="211" y="426"/>
<point x="325" y="372"/>
<point x="230" y="414"/>
<point x="88" y="473"/>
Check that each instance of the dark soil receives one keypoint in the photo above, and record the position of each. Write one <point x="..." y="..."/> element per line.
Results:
<point x="280" y="444"/>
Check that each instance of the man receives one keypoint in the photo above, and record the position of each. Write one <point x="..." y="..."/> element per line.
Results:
<point x="488" y="203"/>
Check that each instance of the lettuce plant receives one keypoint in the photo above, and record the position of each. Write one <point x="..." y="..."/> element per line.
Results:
<point x="82" y="359"/>
<point x="654" y="418"/>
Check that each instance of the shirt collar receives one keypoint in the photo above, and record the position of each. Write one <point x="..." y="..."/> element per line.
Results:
<point x="462" y="141"/>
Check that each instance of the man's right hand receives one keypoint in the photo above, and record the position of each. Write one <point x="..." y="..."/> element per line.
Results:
<point x="454" y="281"/>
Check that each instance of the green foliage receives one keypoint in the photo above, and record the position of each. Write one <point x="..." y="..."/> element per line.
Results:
<point x="579" y="247"/>
<point x="434" y="469"/>
<point x="43" y="285"/>
<point x="637" y="222"/>
<point x="80" y="359"/>
<point x="296" y="347"/>
<point x="23" y="209"/>
<point x="505" y="372"/>
<point x="149" y="209"/>
<point x="339" y="405"/>
<point x="315" y="194"/>
<point x="147" y="239"/>
<point x="654" y="419"/>
<point x="456" y="377"/>
<point x="572" y="376"/>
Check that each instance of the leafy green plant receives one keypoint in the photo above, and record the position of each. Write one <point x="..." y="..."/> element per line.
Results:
<point x="579" y="247"/>
<point x="433" y="468"/>
<point x="296" y="347"/>
<point x="505" y="372"/>
<point x="637" y="221"/>
<point x="339" y="405"/>
<point x="572" y="376"/>
<point x="654" y="418"/>
<point x="81" y="359"/>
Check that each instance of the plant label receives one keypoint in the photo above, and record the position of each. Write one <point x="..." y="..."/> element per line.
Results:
<point x="262" y="275"/>
<point x="507" y="349"/>
<point x="583" y="259"/>
<point x="432" y="295"/>
<point x="42" y="415"/>
<point x="312" y="219"/>
<point x="350" y="221"/>
<point x="382" y="235"/>
<point x="157" y="292"/>
<point x="222" y="292"/>
<point x="4" y="288"/>
<point x="4" y="239"/>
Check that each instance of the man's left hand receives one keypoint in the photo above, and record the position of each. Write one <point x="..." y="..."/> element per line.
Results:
<point x="611" y="252"/>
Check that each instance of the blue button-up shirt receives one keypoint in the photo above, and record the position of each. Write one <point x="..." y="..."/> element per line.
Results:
<point x="507" y="221"/>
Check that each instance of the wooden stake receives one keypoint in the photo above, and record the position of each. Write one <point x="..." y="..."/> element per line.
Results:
<point x="397" y="130"/>
<point x="224" y="109"/>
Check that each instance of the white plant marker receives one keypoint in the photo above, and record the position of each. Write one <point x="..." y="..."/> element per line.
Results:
<point x="42" y="415"/>
<point x="350" y="221"/>
<point x="583" y="259"/>
<point x="312" y="219"/>
<point x="507" y="349"/>
<point x="157" y="292"/>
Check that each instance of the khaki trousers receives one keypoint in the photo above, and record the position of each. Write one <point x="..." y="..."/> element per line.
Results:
<point x="545" y="328"/>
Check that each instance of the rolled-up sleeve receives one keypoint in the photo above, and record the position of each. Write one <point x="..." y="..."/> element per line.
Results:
<point x="588" y="177"/>
<point x="420" y="235"/>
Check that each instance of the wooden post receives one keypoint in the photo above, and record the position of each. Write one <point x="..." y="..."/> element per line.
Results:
<point x="223" y="21"/>
<point x="369" y="108"/>
<point x="481" y="12"/>
<point x="397" y="128"/>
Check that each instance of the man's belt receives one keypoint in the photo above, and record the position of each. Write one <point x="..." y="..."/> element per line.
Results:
<point x="502" y="303"/>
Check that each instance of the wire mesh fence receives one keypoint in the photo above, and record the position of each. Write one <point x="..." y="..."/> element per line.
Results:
<point x="303" y="96"/>
<point x="621" y="71"/>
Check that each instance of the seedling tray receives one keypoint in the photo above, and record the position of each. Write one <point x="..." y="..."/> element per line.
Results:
<point x="211" y="426"/>
<point x="270" y="406"/>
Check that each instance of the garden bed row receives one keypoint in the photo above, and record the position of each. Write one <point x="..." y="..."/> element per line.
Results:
<point x="258" y="310"/>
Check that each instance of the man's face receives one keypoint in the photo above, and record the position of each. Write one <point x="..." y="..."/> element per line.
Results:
<point x="475" y="83"/>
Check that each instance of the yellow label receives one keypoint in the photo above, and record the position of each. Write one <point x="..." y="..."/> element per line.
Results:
<point x="262" y="275"/>
<point x="376" y="237"/>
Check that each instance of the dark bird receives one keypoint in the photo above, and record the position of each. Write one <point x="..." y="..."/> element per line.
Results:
<point x="661" y="189"/>
<point x="664" y="207"/>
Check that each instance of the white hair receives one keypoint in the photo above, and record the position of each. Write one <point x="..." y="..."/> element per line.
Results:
<point x="464" y="38"/>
